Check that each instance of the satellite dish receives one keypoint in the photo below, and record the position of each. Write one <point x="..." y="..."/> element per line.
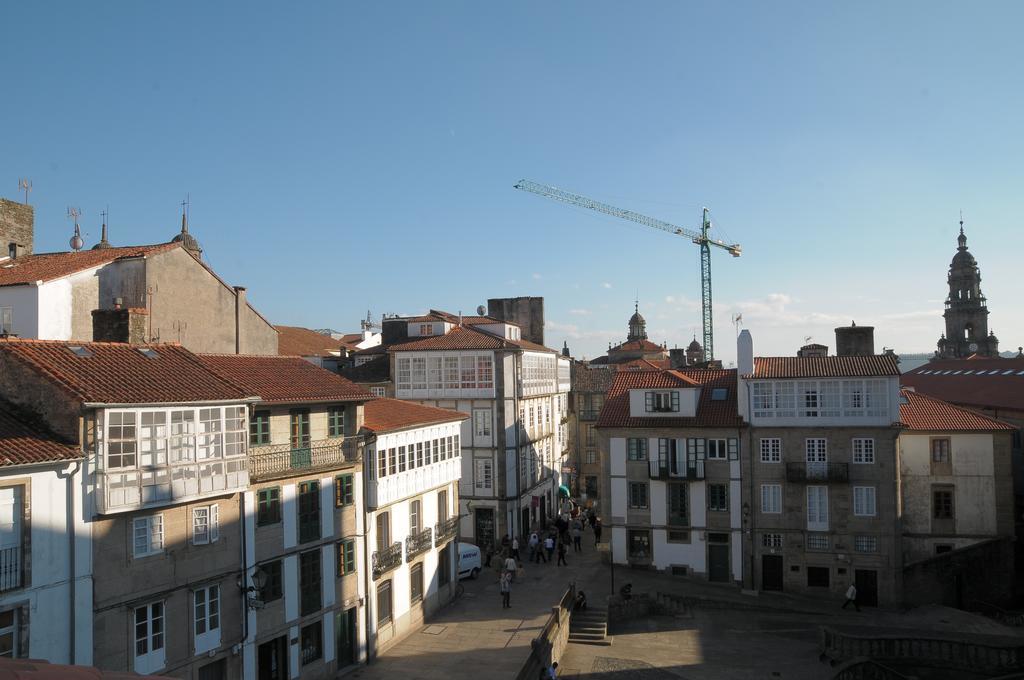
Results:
<point x="481" y="310"/>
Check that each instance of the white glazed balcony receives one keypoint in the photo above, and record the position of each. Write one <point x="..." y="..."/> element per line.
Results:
<point x="393" y="488"/>
<point x="131" y="489"/>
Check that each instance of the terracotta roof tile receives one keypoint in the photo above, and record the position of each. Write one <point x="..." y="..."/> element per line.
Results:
<point x="644" y="365"/>
<point x="586" y="379"/>
<point x="118" y="373"/>
<point x="466" y="337"/>
<point x="921" y="412"/>
<point x="633" y="345"/>
<point x="283" y="380"/>
<point x="24" y="441"/>
<point x="48" y="266"/>
<point x="388" y="415"/>
<point x="710" y="413"/>
<point x="980" y="382"/>
<point x="826" y="367"/>
<point x="296" y="341"/>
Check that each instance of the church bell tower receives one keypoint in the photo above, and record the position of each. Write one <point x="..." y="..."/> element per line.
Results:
<point x="966" y="312"/>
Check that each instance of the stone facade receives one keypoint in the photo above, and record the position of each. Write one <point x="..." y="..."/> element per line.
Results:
<point x="17" y="228"/>
<point x="120" y="325"/>
<point x="525" y="312"/>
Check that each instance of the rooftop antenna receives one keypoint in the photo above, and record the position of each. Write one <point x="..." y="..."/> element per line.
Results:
<point x="737" y="321"/>
<point x="807" y="339"/>
<point x="76" y="241"/>
<point x="25" y="184"/>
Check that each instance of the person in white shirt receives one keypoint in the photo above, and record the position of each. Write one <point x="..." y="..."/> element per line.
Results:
<point x="851" y="597"/>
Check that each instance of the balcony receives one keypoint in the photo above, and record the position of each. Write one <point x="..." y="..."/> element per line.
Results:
<point x="10" y="568"/>
<point x="418" y="543"/>
<point x="662" y="468"/>
<point x="392" y="488"/>
<point x="122" y="490"/>
<point x="446" y="530"/>
<point x="282" y="460"/>
<point x="804" y="473"/>
<point x="383" y="561"/>
<point x="589" y="414"/>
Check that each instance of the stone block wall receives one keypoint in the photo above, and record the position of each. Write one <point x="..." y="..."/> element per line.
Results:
<point x="982" y="572"/>
<point x="17" y="226"/>
<point x="120" y="325"/>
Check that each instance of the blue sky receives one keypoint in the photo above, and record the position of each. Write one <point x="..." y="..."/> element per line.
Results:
<point x="343" y="157"/>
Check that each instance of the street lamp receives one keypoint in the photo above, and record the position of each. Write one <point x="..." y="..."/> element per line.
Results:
<point x="252" y="593"/>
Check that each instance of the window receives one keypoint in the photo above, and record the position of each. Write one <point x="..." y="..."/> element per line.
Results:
<point x="6" y="321"/>
<point x="467" y="369"/>
<point x="809" y="400"/>
<point x="10" y="634"/>
<point x="591" y="457"/>
<point x="637" y="448"/>
<point x="234" y="431"/>
<point x="299" y="429"/>
<point x="268" y="506"/>
<point x="309" y="511"/>
<point x="346" y="557"/>
<point x="273" y="588"/>
<point x="344" y="490"/>
<point x="401" y="459"/>
<point x="590" y="486"/>
<point x="817" y="577"/>
<point x="638" y="495"/>
<point x="817" y="450"/>
<point x="121" y="444"/>
<point x="205" y="524"/>
<point x="771" y="540"/>
<point x="444" y="565"/>
<point x="817" y="508"/>
<point x="864" y="501"/>
<point x="378" y="391"/>
<point x="817" y="541"/>
<point x="451" y="373"/>
<point x="147" y="535"/>
<point x="206" y="618"/>
<point x="426" y="329"/>
<point x="639" y="545"/>
<point x="678" y="504"/>
<point x="442" y="505"/>
<point x="404" y="371"/>
<point x="717" y="449"/>
<point x="183" y="436"/>
<point x="661" y="402"/>
<point x="149" y="637"/>
<point x="336" y="421"/>
<point x="588" y="434"/>
<point x="865" y="544"/>
<point x="771" y="498"/>
<point x="942" y="503"/>
<point x="940" y="457"/>
<point x="863" y="450"/>
<point x="483" y="480"/>
<point x="210" y="434"/>
<point x="382" y="463"/>
<point x="482" y="422"/>
<point x="414" y="517"/>
<point x="435" y="379"/>
<point x="153" y="439"/>
<point x="311" y="642"/>
<point x="771" y="450"/>
<point x="484" y="372"/>
<point x="719" y="393"/>
<point x="416" y="583"/>
<point x="718" y="497"/>
<point x="383" y="531"/>
<point x="419" y="373"/>
<point x="259" y="428"/>
<point x="310" y="586"/>
<point x="384" y="603"/>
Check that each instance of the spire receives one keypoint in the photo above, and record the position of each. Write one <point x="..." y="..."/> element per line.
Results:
<point x="962" y="239"/>
<point x="187" y="240"/>
<point x="104" y="243"/>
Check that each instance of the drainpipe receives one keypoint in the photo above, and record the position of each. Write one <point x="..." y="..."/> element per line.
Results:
<point x="516" y="517"/>
<point x="753" y="506"/>
<point x="69" y="477"/>
<point x="240" y="302"/>
<point x="367" y="566"/>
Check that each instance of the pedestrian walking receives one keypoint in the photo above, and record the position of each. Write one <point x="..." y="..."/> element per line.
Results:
<point x="551" y="672"/>
<point x="532" y="545"/>
<point x="577" y="535"/>
<point x="597" y="531"/>
<point x="510" y="566"/>
<point x="561" y="554"/>
<point x="505" y="586"/>
<point x="851" y="597"/>
<point x="549" y="547"/>
<point x="515" y="548"/>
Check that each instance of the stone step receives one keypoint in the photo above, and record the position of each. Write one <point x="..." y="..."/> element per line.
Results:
<point x="579" y="635"/>
<point x="604" y="642"/>
<point x="589" y="617"/>
<point x="588" y="625"/>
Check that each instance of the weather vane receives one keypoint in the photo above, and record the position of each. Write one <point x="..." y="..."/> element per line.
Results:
<point x="25" y="184"/>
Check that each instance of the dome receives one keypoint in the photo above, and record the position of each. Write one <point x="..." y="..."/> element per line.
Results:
<point x="694" y="346"/>
<point x="187" y="240"/>
<point x="963" y="259"/>
<point x="636" y="319"/>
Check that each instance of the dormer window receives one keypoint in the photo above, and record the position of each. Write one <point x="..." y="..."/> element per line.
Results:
<point x="426" y="329"/>
<point x="661" y="402"/>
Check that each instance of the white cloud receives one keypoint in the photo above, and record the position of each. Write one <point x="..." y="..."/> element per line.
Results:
<point x="536" y="276"/>
<point x="580" y="312"/>
<point x="606" y="285"/>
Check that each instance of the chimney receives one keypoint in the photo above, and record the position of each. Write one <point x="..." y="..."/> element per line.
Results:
<point x="855" y="341"/>
<point x="120" y="324"/>
<point x="745" y="353"/>
<point x="17" y="229"/>
<point x="240" y="303"/>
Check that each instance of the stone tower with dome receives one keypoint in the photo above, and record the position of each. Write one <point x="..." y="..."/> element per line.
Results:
<point x="966" y="314"/>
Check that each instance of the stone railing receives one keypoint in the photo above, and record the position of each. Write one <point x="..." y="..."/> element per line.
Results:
<point x="446" y="530"/>
<point x="417" y="543"/>
<point x="282" y="460"/>
<point x="383" y="561"/>
<point x="550" y="644"/>
<point x="868" y="669"/>
<point x="978" y="653"/>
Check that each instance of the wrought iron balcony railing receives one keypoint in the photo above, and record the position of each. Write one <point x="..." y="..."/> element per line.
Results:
<point x="665" y="468"/>
<point x="281" y="460"/>
<point x="417" y="543"/>
<point x="383" y="561"/>
<point x="446" y="530"/>
<point x="10" y="568"/>
<point x="589" y="414"/>
<point x="817" y="472"/>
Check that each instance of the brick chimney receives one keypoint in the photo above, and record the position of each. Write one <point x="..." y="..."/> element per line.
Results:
<point x="120" y="324"/>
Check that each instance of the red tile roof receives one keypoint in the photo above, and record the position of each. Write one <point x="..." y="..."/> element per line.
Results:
<point x="978" y="382"/>
<point x="587" y="379"/>
<point x="921" y="412"/>
<point x="709" y="413"/>
<point x="24" y="441"/>
<point x="644" y="365"/>
<point x="633" y="345"/>
<point x="826" y="367"/>
<point x="284" y="380"/>
<point x="389" y="415"/>
<point x="296" y="341"/>
<point x="48" y="266"/>
<point x="466" y="337"/>
<point x="118" y="373"/>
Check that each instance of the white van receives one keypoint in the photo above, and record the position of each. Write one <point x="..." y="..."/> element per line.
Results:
<point x="469" y="560"/>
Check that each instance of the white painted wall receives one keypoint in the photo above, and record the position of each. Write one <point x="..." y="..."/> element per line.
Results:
<point x="688" y="399"/>
<point x="24" y="304"/>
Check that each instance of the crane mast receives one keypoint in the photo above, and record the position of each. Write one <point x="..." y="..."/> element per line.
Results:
<point x="700" y="238"/>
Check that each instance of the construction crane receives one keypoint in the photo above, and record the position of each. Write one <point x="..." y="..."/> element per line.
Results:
<point x="700" y="238"/>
